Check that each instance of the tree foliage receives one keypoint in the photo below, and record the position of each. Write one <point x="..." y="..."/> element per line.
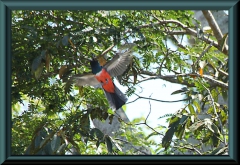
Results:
<point x="50" y="45"/>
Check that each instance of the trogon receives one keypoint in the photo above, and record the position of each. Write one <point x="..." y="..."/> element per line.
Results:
<point x="101" y="76"/>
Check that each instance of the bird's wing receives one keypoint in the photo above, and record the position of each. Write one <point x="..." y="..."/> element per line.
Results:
<point x="87" y="79"/>
<point x="119" y="63"/>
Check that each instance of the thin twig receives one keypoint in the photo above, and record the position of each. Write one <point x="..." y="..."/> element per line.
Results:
<point x="141" y="97"/>
<point x="215" y="111"/>
<point x="132" y="146"/>
<point x="202" y="54"/>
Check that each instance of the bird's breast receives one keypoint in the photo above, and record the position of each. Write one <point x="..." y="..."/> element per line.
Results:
<point x="105" y="79"/>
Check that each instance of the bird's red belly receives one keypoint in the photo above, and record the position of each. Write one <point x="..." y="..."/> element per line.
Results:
<point x="106" y="81"/>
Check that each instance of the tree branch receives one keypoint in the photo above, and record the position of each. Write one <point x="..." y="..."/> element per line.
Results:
<point x="213" y="24"/>
<point x="215" y="111"/>
<point x="188" y="31"/>
<point x="173" y="79"/>
<point x="215" y="28"/>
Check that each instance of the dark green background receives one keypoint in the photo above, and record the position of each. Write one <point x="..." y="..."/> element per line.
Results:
<point x="5" y="67"/>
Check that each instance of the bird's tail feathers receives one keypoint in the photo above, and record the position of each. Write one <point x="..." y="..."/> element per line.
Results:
<point x="116" y="99"/>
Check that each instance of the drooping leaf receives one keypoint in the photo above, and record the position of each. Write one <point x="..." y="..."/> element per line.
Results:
<point x="37" y="67"/>
<point x="219" y="151"/>
<point x="196" y="104"/>
<point x="56" y="142"/>
<point x="37" y="140"/>
<point x="192" y="111"/>
<point x="48" y="149"/>
<point x="109" y="144"/>
<point x="85" y="123"/>
<point x="208" y="123"/>
<point x="65" y="40"/>
<point x="167" y="138"/>
<point x="183" y="119"/>
<point x="196" y="126"/>
<point x="178" y="91"/>
<point x="80" y="89"/>
<point x="95" y="132"/>
<point x="224" y="117"/>
<point x="61" y="149"/>
<point x="39" y="70"/>
<point x="206" y="138"/>
<point x="215" y="129"/>
<point x="174" y="121"/>
<point x="215" y="141"/>
<point x="224" y="94"/>
<point x="180" y="131"/>
<point x="46" y="139"/>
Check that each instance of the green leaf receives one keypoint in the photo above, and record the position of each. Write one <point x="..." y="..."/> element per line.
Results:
<point x="85" y="123"/>
<point x="196" y="126"/>
<point x="166" y="141"/>
<point x="177" y="92"/>
<point x="46" y="139"/>
<point x="37" y="67"/>
<point x="39" y="70"/>
<point x="97" y="143"/>
<point x="180" y="79"/>
<point x="43" y="54"/>
<point x="206" y="138"/>
<point x="215" y="141"/>
<point x="95" y="132"/>
<point x="215" y="129"/>
<point x="219" y="151"/>
<point x="196" y="104"/>
<point x="224" y="117"/>
<point x="209" y="123"/>
<point x="180" y="131"/>
<point x="183" y="119"/>
<point x="109" y="144"/>
<point x="47" y="149"/>
<point x="174" y="121"/>
<point x="224" y="94"/>
<point x="55" y="143"/>
<point x="192" y="111"/>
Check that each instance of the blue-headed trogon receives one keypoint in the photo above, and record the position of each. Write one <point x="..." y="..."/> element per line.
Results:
<point x="101" y="76"/>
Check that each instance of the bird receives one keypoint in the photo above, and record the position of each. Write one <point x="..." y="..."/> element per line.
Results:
<point x="101" y="76"/>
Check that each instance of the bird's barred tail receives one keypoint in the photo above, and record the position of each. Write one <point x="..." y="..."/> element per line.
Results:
<point x="117" y="99"/>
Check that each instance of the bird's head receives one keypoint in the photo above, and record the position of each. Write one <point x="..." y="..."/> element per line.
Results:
<point x="96" y="67"/>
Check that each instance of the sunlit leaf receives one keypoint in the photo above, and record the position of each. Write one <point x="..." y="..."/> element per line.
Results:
<point x="174" y="121"/>
<point x="196" y="104"/>
<point x="196" y="126"/>
<point x="192" y="111"/>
